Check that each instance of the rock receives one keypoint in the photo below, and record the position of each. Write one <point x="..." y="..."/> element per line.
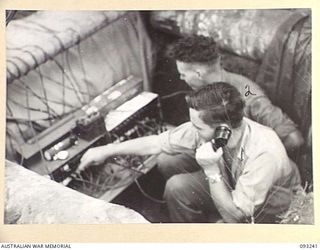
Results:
<point x="34" y="199"/>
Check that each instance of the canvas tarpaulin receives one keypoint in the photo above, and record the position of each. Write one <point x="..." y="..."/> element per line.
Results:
<point x="58" y="61"/>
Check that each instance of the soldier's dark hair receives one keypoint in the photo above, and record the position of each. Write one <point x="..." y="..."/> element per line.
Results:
<point x="218" y="102"/>
<point x="194" y="49"/>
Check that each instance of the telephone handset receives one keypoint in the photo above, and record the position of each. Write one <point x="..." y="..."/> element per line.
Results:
<point x="221" y="137"/>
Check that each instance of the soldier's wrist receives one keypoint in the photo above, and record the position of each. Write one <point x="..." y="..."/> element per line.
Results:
<point x="213" y="175"/>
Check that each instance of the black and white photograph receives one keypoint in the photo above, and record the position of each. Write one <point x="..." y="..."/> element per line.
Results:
<point x="158" y="116"/>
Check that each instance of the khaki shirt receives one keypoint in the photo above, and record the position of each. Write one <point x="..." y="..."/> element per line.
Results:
<point x="258" y="106"/>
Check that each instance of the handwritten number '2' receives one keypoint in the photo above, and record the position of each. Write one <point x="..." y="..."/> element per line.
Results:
<point x="248" y="92"/>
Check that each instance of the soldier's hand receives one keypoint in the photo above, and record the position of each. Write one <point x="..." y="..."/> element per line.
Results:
<point x="94" y="156"/>
<point x="207" y="157"/>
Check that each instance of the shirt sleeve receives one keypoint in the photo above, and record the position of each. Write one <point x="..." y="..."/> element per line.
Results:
<point x="255" y="183"/>
<point x="182" y="139"/>
<point x="260" y="109"/>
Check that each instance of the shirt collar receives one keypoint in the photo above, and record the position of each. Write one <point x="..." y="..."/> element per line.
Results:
<point x="241" y="155"/>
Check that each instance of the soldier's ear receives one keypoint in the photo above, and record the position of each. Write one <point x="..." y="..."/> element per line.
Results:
<point x="199" y="73"/>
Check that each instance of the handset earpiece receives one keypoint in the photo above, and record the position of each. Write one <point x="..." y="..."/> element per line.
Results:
<point x="221" y="137"/>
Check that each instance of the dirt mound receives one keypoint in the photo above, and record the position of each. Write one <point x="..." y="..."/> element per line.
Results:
<point x="301" y="210"/>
